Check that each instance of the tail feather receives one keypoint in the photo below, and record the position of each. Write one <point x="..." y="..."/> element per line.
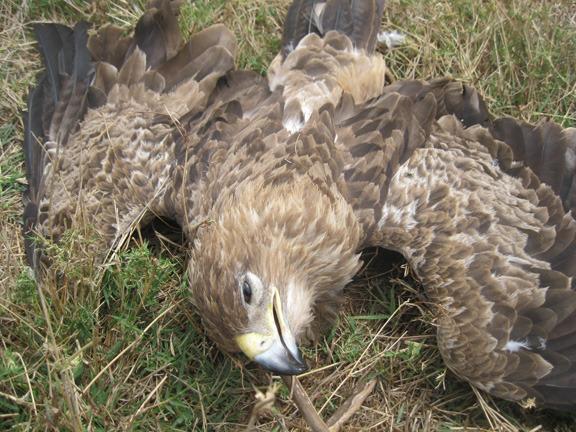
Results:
<point x="357" y="19"/>
<point x="298" y="23"/>
<point x="338" y="16"/>
<point x="366" y="17"/>
<point x="157" y="33"/>
<point x="109" y="46"/>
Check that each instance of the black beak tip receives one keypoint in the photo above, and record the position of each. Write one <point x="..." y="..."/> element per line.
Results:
<point x="289" y="366"/>
<point x="291" y="370"/>
<point x="298" y="369"/>
<point x="296" y="364"/>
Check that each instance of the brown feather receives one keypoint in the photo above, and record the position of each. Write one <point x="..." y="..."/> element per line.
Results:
<point x="107" y="166"/>
<point x="211" y="49"/>
<point x="337" y="15"/>
<point x="157" y="33"/>
<point x="298" y="23"/>
<point x="366" y="17"/>
<point x="109" y="46"/>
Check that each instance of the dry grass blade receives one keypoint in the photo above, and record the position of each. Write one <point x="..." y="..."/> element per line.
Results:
<point x="141" y="407"/>
<point x="359" y="360"/>
<point x="497" y="420"/>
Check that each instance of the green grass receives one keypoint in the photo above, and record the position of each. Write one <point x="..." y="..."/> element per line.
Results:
<point x="11" y="172"/>
<point x="134" y="325"/>
<point x="518" y="53"/>
<point x="123" y="349"/>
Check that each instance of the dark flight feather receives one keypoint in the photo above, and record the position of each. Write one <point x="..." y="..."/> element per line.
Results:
<point x="67" y="64"/>
<point x="57" y="48"/>
<point x="109" y="45"/>
<point x="337" y="15"/>
<point x="366" y="17"/>
<point x="157" y="33"/>
<point x="298" y="23"/>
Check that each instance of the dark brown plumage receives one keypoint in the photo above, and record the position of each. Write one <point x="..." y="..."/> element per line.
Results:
<point x="279" y="184"/>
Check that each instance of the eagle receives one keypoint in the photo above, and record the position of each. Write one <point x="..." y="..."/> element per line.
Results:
<point x="280" y="182"/>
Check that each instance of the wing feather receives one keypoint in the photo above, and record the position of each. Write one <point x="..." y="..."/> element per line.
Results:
<point x="54" y="107"/>
<point x="107" y="166"/>
<point x="479" y="208"/>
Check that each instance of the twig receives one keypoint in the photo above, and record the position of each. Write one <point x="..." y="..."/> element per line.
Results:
<point x="495" y="419"/>
<point x="17" y="400"/>
<point x="351" y="405"/>
<point x="342" y="414"/>
<point x="302" y="401"/>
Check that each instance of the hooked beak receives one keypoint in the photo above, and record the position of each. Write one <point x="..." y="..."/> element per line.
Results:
<point x="276" y="351"/>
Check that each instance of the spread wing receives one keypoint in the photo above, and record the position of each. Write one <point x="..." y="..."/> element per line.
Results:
<point x="479" y="207"/>
<point x="99" y="127"/>
<point x="482" y="214"/>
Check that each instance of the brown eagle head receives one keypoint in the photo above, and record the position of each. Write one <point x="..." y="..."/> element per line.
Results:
<point x="273" y="258"/>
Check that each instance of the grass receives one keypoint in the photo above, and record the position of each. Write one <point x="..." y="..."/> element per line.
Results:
<point x="128" y="352"/>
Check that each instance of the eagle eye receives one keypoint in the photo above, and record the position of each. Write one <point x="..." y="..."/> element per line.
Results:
<point x="247" y="291"/>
